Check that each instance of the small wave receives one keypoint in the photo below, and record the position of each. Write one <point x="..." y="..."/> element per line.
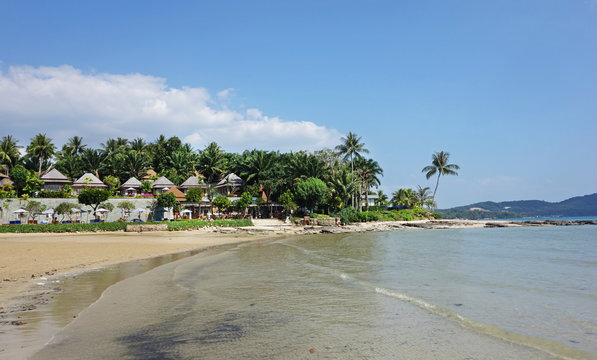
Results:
<point x="544" y="345"/>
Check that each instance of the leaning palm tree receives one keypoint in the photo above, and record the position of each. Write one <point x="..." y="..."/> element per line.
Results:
<point x="41" y="148"/>
<point x="351" y="147"/>
<point x="440" y="166"/>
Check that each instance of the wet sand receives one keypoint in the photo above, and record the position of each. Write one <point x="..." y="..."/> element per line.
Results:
<point x="28" y="259"/>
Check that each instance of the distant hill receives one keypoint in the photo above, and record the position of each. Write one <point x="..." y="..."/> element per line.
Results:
<point x="576" y="206"/>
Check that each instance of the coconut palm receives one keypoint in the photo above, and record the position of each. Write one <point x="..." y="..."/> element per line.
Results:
<point x="41" y="148"/>
<point x="9" y="152"/>
<point x="440" y="166"/>
<point x="404" y="197"/>
<point x="351" y="147"/>
<point x="423" y="196"/>
<point x="75" y="146"/>
<point x="92" y="161"/>
<point x="212" y="162"/>
<point x="368" y="171"/>
<point x="382" y="199"/>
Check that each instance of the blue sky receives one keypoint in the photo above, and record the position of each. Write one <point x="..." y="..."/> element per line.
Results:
<point x="509" y="88"/>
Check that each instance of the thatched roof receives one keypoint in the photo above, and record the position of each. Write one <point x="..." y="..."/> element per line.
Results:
<point x="89" y="180"/>
<point x="191" y="182"/>
<point x="54" y="176"/>
<point x="163" y="182"/>
<point x="179" y="195"/>
<point x="230" y="180"/>
<point x="131" y="183"/>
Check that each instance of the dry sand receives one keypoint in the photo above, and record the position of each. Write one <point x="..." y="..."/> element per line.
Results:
<point x="27" y="257"/>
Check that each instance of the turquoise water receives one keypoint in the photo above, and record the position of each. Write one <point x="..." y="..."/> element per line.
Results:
<point x="508" y="293"/>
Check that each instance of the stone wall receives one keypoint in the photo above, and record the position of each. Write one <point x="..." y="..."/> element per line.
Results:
<point x="8" y="206"/>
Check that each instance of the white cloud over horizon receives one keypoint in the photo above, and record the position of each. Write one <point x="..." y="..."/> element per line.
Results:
<point x="64" y="101"/>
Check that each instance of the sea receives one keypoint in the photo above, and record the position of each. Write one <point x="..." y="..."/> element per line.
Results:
<point x="495" y="293"/>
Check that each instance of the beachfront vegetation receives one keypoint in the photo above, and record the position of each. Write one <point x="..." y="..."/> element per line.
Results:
<point x="440" y="166"/>
<point x="324" y="181"/>
<point x="120" y="226"/>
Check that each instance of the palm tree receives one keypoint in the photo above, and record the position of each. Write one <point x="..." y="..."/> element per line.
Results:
<point x="138" y="145"/>
<point x="352" y="147"/>
<point x="212" y="162"/>
<point x="440" y="166"/>
<point x="423" y="196"/>
<point x="403" y="197"/>
<point x="75" y="145"/>
<point x="92" y="161"/>
<point x="382" y="199"/>
<point x="41" y="148"/>
<point x="368" y="171"/>
<point x="9" y="152"/>
<point x="343" y="187"/>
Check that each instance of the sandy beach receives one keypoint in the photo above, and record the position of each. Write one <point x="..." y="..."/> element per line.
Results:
<point x="26" y="258"/>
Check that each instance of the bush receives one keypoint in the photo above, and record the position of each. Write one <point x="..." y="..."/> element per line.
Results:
<point x="62" y="228"/>
<point x="196" y="223"/>
<point x="52" y="194"/>
<point x="348" y="215"/>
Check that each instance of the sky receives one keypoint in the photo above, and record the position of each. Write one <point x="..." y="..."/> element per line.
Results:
<point x="508" y="88"/>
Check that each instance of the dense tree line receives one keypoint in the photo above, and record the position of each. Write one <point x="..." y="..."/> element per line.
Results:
<point x="327" y="179"/>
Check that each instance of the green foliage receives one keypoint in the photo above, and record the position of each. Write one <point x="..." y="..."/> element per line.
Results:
<point x="310" y="192"/>
<point x="35" y="207"/>
<point x="167" y="200"/>
<point x="107" y="205"/>
<point x="18" y="175"/>
<point x="146" y="187"/>
<point x="195" y="223"/>
<point x="52" y="195"/>
<point x="194" y="195"/>
<point x="348" y="215"/>
<point x="126" y="205"/>
<point x="222" y="203"/>
<point x="93" y="197"/>
<point x="33" y="184"/>
<point x="63" y="228"/>
<point x="113" y="184"/>
<point x="243" y="202"/>
<point x="6" y="192"/>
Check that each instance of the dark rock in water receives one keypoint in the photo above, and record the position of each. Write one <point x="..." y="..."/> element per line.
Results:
<point x="457" y="304"/>
<point x="312" y="350"/>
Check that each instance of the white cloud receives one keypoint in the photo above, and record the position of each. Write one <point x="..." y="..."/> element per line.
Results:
<point x="64" y="101"/>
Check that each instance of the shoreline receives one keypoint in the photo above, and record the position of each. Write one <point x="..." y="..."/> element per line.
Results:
<point x="34" y="257"/>
<point x="36" y="264"/>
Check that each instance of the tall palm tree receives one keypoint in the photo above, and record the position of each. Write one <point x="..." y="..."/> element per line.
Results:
<point x="440" y="166"/>
<point x="92" y="161"/>
<point x="75" y="145"/>
<point x="9" y="152"/>
<point x="41" y="148"/>
<point x="351" y="147"/>
<point x="138" y="145"/>
<point x="343" y="187"/>
<point x="212" y="162"/>
<point x="368" y="170"/>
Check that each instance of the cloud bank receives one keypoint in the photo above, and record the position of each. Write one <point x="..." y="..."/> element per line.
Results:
<point x="64" y="101"/>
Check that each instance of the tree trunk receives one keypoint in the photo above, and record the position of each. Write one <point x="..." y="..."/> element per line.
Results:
<point x="434" y="191"/>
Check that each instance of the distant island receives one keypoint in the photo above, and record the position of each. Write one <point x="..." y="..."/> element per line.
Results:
<point x="576" y="206"/>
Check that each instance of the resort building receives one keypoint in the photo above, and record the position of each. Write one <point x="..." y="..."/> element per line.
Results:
<point x="88" y="180"/>
<point x="54" y="180"/>
<point x="192" y="182"/>
<point x="161" y="185"/>
<point x="231" y="184"/>
<point x="131" y="187"/>
<point x="4" y="179"/>
<point x="179" y="194"/>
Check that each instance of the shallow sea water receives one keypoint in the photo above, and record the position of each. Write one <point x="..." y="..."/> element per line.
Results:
<point x="514" y="293"/>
